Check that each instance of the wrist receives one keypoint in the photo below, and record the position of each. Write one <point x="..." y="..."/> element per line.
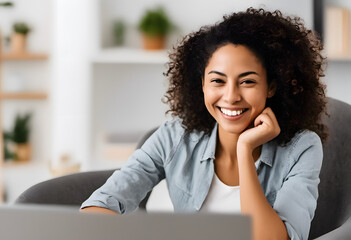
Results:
<point x="244" y="151"/>
<point x="244" y="148"/>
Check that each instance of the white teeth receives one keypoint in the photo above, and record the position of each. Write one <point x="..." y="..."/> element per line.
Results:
<point x="231" y="113"/>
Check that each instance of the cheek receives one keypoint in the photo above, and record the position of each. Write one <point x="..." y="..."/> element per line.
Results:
<point x="258" y="101"/>
<point x="210" y="99"/>
<point x="209" y="96"/>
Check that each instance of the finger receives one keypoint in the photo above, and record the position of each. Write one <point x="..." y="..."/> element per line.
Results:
<point x="268" y="111"/>
<point x="274" y="119"/>
<point x="263" y="118"/>
<point x="271" y="114"/>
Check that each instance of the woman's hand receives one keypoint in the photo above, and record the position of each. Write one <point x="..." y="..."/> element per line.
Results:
<point x="100" y="210"/>
<point x="266" y="223"/>
<point x="265" y="128"/>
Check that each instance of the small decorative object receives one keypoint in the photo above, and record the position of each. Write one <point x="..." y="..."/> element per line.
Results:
<point x="119" y="32"/>
<point x="4" y="4"/>
<point x="155" y="25"/>
<point x="65" y="165"/>
<point x="18" y="39"/>
<point x="20" y="137"/>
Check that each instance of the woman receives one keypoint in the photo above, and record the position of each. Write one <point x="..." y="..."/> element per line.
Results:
<point x="247" y="100"/>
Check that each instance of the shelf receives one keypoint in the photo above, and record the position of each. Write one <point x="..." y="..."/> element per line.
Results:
<point x="131" y="56"/>
<point x="23" y="95"/>
<point x="23" y="56"/>
<point x="12" y="163"/>
<point x="341" y="58"/>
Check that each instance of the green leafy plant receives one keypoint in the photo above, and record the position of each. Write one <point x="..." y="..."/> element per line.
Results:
<point x="155" y="23"/>
<point x="119" y="29"/>
<point x="21" y="28"/>
<point x="6" y="4"/>
<point x="21" y="130"/>
<point x="7" y="153"/>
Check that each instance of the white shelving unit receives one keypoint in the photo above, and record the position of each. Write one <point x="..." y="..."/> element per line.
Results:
<point x="25" y="87"/>
<point x="131" y="56"/>
<point x="13" y="186"/>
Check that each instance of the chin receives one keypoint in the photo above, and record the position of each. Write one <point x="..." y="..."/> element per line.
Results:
<point x="234" y="129"/>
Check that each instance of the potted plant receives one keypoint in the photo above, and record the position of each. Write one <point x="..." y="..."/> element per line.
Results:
<point x="18" y="39"/>
<point x="20" y="137"/>
<point x="154" y="26"/>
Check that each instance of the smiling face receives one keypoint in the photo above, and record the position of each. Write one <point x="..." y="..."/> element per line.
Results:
<point x="235" y="87"/>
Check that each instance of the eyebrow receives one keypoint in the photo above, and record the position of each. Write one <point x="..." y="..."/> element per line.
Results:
<point x="240" y="75"/>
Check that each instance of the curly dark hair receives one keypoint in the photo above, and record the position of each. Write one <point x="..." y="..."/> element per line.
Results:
<point x="290" y="53"/>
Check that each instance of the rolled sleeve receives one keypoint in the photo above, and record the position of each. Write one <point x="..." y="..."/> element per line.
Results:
<point x="296" y="201"/>
<point x="127" y="187"/>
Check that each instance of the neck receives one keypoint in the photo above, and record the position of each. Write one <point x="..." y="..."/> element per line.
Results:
<point x="227" y="146"/>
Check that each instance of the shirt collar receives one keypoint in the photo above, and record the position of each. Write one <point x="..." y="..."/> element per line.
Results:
<point x="267" y="153"/>
<point x="266" y="157"/>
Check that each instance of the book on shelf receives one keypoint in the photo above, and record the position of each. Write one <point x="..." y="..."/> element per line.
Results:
<point x="337" y="31"/>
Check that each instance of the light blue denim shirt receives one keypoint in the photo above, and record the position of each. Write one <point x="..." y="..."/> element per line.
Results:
<point x="289" y="175"/>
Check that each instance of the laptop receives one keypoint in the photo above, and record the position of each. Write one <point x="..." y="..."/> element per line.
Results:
<point x="36" y="222"/>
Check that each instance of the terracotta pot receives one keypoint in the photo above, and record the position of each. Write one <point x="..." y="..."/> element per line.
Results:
<point x="18" y="43"/>
<point x="154" y="42"/>
<point x="23" y="152"/>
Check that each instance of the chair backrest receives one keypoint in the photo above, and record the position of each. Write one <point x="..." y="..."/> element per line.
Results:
<point x="72" y="189"/>
<point x="334" y="201"/>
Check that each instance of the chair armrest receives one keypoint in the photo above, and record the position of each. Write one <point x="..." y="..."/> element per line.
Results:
<point x="71" y="189"/>
<point x="341" y="233"/>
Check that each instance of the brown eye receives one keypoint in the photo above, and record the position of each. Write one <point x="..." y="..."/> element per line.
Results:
<point x="248" y="81"/>
<point x="217" y="81"/>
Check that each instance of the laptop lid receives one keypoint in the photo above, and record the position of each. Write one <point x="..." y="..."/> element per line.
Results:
<point x="56" y="223"/>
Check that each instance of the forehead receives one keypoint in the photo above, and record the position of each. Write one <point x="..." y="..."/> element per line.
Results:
<point x="238" y="56"/>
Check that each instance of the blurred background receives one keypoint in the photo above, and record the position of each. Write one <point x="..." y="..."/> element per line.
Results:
<point x="79" y="86"/>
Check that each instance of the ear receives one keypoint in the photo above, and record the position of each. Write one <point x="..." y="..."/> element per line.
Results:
<point x="271" y="89"/>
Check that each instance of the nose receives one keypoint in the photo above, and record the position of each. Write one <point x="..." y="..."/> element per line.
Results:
<point x="232" y="93"/>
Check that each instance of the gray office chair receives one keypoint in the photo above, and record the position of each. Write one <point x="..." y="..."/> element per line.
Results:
<point x="332" y="217"/>
<point x="333" y="211"/>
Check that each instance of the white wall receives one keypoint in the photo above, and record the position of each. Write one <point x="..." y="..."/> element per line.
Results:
<point x="74" y="27"/>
